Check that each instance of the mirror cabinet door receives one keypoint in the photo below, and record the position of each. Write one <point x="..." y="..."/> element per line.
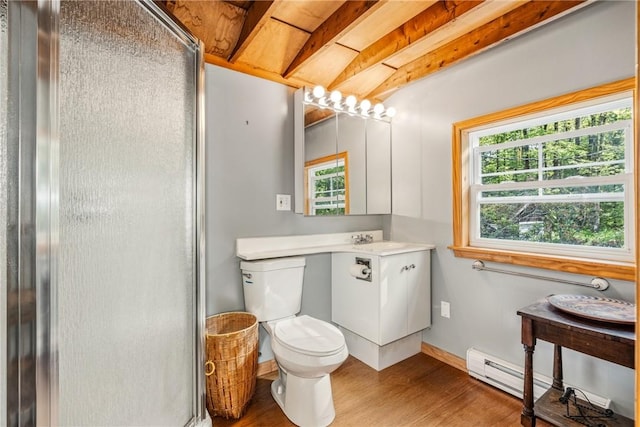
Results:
<point x="352" y="147"/>
<point x="324" y="183"/>
<point x="378" y="136"/>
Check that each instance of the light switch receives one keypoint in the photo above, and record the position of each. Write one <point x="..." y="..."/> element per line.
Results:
<point x="283" y="202"/>
<point x="445" y="309"/>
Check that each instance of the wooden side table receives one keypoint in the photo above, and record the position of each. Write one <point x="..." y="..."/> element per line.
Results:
<point x="602" y="340"/>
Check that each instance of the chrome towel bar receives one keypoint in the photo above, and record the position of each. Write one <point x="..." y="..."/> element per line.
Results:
<point x="597" y="282"/>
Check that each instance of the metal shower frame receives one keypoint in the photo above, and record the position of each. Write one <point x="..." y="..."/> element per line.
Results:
<point x="37" y="203"/>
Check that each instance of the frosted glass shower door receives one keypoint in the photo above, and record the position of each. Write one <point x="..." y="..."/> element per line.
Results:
<point x="127" y="261"/>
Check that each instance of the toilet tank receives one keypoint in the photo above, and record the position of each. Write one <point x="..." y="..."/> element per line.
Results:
<point x="273" y="287"/>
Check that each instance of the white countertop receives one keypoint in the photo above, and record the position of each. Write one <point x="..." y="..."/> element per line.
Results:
<point x="283" y="246"/>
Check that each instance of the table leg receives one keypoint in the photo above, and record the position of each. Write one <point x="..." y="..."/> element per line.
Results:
<point x="528" y="418"/>
<point x="557" y="368"/>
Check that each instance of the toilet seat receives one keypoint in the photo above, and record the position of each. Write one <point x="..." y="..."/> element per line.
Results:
<point x="309" y="336"/>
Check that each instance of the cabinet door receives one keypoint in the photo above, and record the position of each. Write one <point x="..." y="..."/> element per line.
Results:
<point x="393" y="298"/>
<point x="418" y="291"/>
<point x="354" y="302"/>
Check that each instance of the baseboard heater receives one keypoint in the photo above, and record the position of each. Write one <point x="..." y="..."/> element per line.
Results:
<point x="510" y="378"/>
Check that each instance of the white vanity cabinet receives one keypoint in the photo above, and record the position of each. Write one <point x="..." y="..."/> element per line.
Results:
<point x="394" y="304"/>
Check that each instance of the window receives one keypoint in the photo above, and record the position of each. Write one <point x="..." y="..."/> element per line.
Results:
<point x="550" y="184"/>
<point x="327" y="185"/>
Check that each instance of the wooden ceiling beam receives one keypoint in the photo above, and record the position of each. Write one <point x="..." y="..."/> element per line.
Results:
<point x="522" y="19"/>
<point x="420" y="26"/>
<point x="314" y="115"/>
<point x="252" y="71"/>
<point x="257" y="16"/>
<point x="350" y="14"/>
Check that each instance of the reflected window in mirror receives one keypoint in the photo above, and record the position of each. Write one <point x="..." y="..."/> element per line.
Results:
<point x="327" y="185"/>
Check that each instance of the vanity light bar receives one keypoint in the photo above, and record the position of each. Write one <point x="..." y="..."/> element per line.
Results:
<point x="318" y="96"/>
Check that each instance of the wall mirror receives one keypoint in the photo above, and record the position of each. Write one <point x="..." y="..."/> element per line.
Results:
<point x="342" y="159"/>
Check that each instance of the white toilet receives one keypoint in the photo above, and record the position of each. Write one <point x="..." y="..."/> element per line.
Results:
<point x="307" y="350"/>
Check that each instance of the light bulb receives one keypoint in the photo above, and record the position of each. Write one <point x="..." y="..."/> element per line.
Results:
<point x="318" y="92"/>
<point x="378" y="109"/>
<point x="391" y="112"/>
<point x="335" y="96"/>
<point x="351" y="101"/>
<point x="307" y="95"/>
<point x="365" y="104"/>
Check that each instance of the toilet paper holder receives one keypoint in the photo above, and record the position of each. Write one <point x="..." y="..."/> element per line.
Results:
<point x="367" y="263"/>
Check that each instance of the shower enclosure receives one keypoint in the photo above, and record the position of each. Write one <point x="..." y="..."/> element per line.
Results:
<point x="101" y="216"/>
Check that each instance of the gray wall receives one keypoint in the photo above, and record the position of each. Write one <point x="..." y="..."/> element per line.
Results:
<point x="592" y="46"/>
<point x="249" y="138"/>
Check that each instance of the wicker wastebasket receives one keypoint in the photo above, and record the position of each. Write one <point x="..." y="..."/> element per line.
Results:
<point x="231" y="362"/>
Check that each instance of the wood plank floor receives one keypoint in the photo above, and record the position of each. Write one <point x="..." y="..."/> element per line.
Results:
<point x="419" y="391"/>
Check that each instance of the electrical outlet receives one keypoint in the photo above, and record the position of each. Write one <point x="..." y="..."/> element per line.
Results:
<point x="283" y="202"/>
<point x="445" y="309"/>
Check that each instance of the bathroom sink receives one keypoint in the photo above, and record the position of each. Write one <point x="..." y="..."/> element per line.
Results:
<point x="388" y="247"/>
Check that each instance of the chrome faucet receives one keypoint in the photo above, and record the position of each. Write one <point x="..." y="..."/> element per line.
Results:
<point x="360" y="239"/>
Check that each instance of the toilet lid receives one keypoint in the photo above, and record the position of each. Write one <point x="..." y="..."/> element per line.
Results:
<point x="307" y="335"/>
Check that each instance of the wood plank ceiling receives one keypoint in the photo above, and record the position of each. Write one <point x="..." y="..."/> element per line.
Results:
<point x="365" y="48"/>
